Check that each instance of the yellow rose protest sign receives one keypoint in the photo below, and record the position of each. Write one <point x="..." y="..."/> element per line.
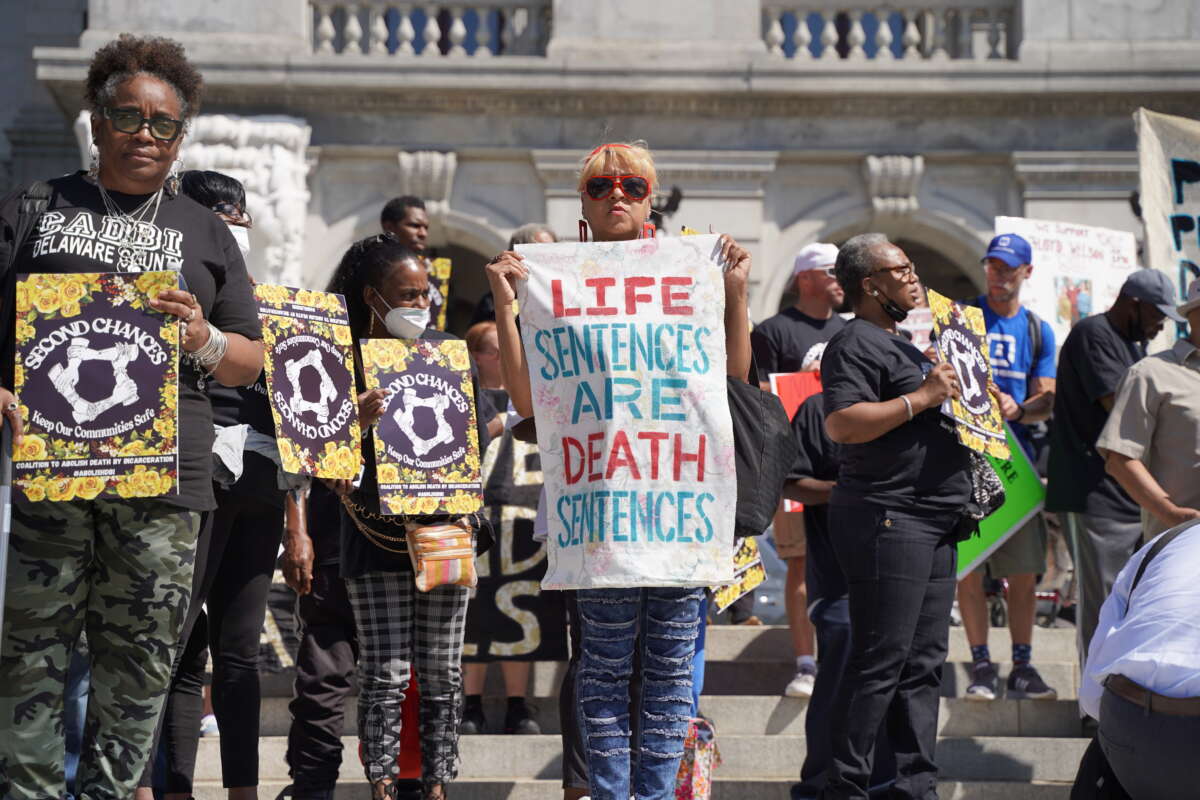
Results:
<point x="97" y="376"/>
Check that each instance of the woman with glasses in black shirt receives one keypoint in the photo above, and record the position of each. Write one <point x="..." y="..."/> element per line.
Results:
<point x="118" y="569"/>
<point x="899" y="497"/>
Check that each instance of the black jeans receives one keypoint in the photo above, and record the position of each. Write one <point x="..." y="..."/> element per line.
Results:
<point x="900" y="567"/>
<point x="831" y="619"/>
<point x="325" y="667"/>
<point x="237" y="570"/>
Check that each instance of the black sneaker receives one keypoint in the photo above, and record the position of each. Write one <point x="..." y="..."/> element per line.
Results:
<point x="473" y="721"/>
<point x="984" y="682"/>
<point x="519" y="720"/>
<point x="1024" y="683"/>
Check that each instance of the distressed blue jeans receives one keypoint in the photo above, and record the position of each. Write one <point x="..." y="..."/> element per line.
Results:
<point x="663" y="623"/>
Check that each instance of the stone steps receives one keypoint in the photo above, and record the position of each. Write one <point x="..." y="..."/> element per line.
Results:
<point x="762" y="715"/>
<point x="772" y="643"/>
<point x="987" y="751"/>
<point x="966" y="758"/>
<point x="737" y="678"/>
<point x="536" y="789"/>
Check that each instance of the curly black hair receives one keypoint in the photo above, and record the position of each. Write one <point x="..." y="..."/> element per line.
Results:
<point x="368" y="262"/>
<point x="120" y="60"/>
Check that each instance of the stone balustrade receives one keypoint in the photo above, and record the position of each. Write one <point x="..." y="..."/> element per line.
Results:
<point x="479" y="29"/>
<point x="861" y="30"/>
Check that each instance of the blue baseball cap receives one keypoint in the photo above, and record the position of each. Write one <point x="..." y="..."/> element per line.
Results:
<point x="1011" y="249"/>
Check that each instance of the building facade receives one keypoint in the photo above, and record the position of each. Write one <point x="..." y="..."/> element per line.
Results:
<point x="781" y="124"/>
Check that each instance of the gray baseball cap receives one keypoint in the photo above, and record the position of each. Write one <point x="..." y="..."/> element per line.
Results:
<point x="1153" y="287"/>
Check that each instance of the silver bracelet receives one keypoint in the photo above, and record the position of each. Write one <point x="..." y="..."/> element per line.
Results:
<point x="908" y="406"/>
<point x="209" y="356"/>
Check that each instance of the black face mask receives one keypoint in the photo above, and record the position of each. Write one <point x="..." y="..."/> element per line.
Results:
<point x="889" y="306"/>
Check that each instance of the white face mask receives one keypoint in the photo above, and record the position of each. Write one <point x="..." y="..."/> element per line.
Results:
<point x="241" y="235"/>
<point x="401" y="322"/>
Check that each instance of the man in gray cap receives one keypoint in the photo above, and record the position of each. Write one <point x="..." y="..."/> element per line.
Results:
<point x="1151" y="442"/>
<point x="1103" y="521"/>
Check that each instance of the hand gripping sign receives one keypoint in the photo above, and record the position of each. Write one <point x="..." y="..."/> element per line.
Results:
<point x="960" y="339"/>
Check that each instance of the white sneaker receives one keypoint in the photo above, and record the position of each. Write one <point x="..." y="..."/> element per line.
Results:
<point x="208" y="726"/>
<point x="802" y="684"/>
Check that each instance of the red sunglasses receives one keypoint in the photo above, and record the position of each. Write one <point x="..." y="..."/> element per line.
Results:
<point x="600" y="187"/>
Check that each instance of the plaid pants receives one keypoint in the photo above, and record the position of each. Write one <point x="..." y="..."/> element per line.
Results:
<point x="398" y="627"/>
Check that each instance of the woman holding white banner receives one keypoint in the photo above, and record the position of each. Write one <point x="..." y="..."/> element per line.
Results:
<point x="657" y="619"/>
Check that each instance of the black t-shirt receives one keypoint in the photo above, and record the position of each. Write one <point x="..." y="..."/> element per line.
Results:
<point x="918" y="466"/>
<point x="1093" y="360"/>
<point x="359" y="554"/>
<point x="192" y="240"/>
<point x="243" y="405"/>
<point x="787" y="340"/>
<point x="324" y="524"/>
<point x="817" y="457"/>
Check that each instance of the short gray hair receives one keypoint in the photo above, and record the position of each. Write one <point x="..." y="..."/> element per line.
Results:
<point x="855" y="260"/>
<point x="528" y="233"/>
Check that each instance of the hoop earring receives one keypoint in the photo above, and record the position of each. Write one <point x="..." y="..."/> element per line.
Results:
<point x="94" y="166"/>
<point x="173" y="182"/>
<point x="583" y="230"/>
<point x="648" y="230"/>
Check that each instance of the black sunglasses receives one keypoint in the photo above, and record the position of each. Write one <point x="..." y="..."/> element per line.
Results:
<point x="130" y="120"/>
<point x="599" y="187"/>
<point x="239" y="215"/>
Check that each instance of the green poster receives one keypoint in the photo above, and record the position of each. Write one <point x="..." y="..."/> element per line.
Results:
<point x="1024" y="496"/>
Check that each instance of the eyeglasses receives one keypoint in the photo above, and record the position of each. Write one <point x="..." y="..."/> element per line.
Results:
<point x="599" y="187"/>
<point x="237" y="215"/>
<point x="130" y="120"/>
<point x="899" y="272"/>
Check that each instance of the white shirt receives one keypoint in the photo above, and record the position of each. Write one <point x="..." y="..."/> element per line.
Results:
<point x="1153" y="638"/>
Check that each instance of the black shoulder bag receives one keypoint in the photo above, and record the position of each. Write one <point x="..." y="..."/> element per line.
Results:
<point x="764" y="451"/>
<point x="34" y="201"/>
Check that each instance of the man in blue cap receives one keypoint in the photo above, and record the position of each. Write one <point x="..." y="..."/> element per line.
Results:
<point x="1102" y="520"/>
<point x="1022" y="352"/>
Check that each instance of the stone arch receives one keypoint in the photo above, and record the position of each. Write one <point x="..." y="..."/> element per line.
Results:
<point x="958" y="246"/>
<point x="454" y="227"/>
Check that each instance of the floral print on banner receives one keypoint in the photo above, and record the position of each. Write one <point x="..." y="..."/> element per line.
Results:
<point x="96" y="372"/>
<point x="310" y="382"/>
<point x="426" y="443"/>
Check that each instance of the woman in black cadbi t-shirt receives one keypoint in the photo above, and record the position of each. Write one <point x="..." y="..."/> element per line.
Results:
<point x="900" y="493"/>
<point x="119" y="569"/>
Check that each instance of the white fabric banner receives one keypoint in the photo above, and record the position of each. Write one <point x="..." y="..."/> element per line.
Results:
<point x="1077" y="269"/>
<point x="1169" y="167"/>
<point x="626" y="349"/>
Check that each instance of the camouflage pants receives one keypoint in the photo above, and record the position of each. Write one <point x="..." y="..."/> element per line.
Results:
<point x="122" y="571"/>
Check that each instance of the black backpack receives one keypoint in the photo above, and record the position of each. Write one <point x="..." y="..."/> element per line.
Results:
<point x="764" y="451"/>
<point x="34" y="200"/>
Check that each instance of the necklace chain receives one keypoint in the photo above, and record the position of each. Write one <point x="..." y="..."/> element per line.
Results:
<point x="127" y="249"/>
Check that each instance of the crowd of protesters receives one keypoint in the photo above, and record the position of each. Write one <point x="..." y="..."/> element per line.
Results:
<point x="133" y="597"/>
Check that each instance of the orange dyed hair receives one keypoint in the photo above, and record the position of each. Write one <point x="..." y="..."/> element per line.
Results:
<point x="619" y="158"/>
